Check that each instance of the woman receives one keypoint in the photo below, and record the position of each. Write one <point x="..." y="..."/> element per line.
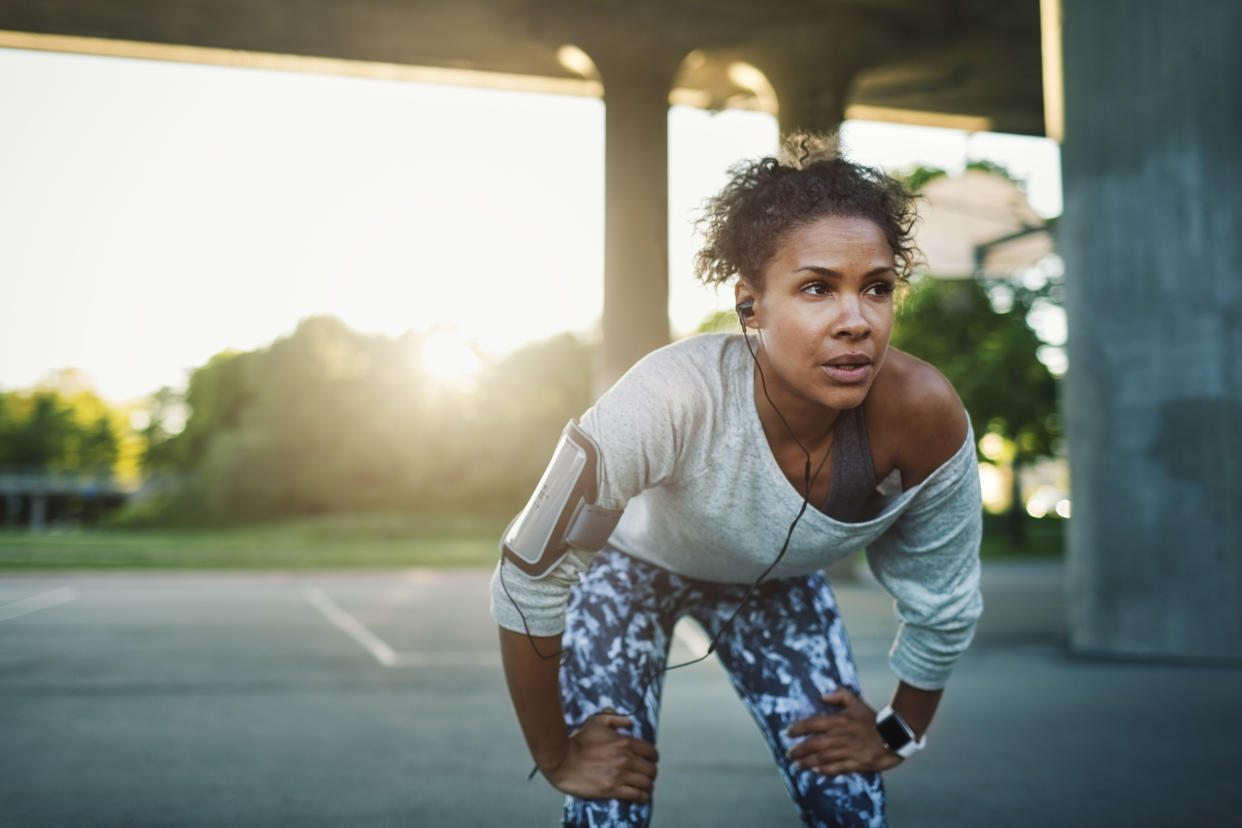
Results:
<point x="713" y="447"/>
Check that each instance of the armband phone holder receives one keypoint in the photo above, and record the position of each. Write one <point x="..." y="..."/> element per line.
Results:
<point x="561" y="513"/>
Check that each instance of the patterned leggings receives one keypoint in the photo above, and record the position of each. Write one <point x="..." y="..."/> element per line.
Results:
<point x="785" y="650"/>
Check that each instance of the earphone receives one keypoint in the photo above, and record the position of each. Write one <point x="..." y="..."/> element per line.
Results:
<point x="745" y="310"/>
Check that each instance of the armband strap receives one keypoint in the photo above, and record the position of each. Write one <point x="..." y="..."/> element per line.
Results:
<point x="561" y="513"/>
<point x="591" y="525"/>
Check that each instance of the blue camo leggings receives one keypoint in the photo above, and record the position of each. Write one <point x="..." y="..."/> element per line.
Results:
<point x="786" y="649"/>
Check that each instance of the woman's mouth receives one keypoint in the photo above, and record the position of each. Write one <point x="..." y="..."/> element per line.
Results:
<point x="849" y="368"/>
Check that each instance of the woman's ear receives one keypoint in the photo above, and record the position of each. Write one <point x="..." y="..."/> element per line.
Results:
<point x="744" y="304"/>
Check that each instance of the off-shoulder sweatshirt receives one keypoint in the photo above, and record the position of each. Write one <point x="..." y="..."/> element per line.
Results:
<point x="683" y="452"/>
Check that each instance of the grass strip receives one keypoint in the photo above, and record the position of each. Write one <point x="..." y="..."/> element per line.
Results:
<point x="303" y="544"/>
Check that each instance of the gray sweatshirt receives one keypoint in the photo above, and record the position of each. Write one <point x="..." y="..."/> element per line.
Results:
<point x="683" y="452"/>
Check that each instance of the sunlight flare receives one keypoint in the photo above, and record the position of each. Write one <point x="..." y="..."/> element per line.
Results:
<point x="450" y="358"/>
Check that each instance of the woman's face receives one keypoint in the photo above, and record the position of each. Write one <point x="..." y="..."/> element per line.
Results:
<point x="825" y="311"/>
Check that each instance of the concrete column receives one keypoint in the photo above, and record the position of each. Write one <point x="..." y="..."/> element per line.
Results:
<point x="13" y="508"/>
<point x="808" y="102"/>
<point x="1150" y="236"/>
<point x="38" y="512"/>
<point x="636" y="89"/>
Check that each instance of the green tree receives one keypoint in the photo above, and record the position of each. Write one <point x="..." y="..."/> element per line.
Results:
<point x="45" y="430"/>
<point x="164" y="421"/>
<point x="991" y="359"/>
<point x="328" y="419"/>
<point x="528" y="397"/>
<point x="8" y="424"/>
<point x="45" y="438"/>
<point x="98" y="447"/>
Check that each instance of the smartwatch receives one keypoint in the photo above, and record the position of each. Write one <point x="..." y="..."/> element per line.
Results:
<point x="897" y="735"/>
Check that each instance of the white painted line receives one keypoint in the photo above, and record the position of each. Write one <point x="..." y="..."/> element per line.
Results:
<point x="42" y="601"/>
<point x="351" y="626"/>
<point x="692" y="637"/>
<point x="384" y="654"/>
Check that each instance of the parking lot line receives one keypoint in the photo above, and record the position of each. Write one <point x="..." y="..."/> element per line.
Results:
<point x="379" y="649"/>
<point x="42" y="601"/>
<point x="692" y="637"/>
<point x="351" y="626"/>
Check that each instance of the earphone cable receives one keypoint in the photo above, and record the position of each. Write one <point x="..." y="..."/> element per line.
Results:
<point x="529" y="635"/>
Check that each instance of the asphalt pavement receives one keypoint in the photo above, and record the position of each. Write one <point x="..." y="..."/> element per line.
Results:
<point x="376" y="699"/>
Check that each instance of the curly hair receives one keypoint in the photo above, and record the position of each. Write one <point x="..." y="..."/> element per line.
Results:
<point x="747" y="221"/>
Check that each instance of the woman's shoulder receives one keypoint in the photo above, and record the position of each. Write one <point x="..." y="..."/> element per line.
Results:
<point x="708" y="359"/>
<point x="683" y="379"/>
<point x="915" y="416"/>
<point x="698" y="349"/>
<point x="662" y="417"/>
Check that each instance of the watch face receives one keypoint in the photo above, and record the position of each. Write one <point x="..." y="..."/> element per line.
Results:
<point x="891" y="731"/>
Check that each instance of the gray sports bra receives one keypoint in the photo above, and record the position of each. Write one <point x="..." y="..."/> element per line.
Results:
<point x="853" y="473"/>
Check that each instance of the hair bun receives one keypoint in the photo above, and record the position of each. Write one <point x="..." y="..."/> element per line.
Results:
<point x="802" y="149"/>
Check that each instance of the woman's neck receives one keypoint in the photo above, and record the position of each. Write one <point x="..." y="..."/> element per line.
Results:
<point x="811" y="423"/>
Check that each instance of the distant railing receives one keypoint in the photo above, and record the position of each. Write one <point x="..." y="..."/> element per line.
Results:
<point x="61" y="483"/>
<point x="35" y="497"/>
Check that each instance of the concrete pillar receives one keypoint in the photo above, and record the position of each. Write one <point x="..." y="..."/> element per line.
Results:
<point x="1150" y="236"/>
<point x="808" y="102"/>
<point x="636" y="89"/>
<point x="13" y="508"/>
<point x="38" y="512"/>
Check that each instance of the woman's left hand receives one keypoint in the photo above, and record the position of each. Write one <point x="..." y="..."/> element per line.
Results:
<point x="843" y="742"/>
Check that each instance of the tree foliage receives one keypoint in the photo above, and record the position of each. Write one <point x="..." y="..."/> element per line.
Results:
<point x="328" y="419"/>
<point x="989" y="357"/>
<point x="53" y="430"/>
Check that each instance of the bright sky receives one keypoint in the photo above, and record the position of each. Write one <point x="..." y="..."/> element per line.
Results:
<point x="153" y="214"/>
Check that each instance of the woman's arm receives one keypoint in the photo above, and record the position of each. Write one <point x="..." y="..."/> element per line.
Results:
<point x="916" y="706"/>
<point x="597" y="761"/>
<point x="929" y="561"/>
<point x="635" y="426"/>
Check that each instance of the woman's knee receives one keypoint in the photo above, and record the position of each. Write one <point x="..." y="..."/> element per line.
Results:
<point x="852" y="800"/>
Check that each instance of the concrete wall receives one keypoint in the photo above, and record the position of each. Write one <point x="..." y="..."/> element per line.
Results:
<point x="1152" y="239"/>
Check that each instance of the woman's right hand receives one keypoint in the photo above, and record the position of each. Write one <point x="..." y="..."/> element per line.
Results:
<point x="602" y="763"/>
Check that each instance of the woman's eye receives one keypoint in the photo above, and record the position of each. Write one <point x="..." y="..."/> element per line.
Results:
<point x="881" y="289"/>
<point x="816" y="289"/>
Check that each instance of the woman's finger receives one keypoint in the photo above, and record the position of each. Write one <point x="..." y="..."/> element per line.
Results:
<point x="811" y="724"/>
<point x="842" y="696"/>
<point x="637" y="780"/>
<point x="646" y="750"/>
<point x="823" y="723"/>
<point x="838" y="768"/>
<point x="815" y="745"/>
<point x="647" y="769"/>
<point x="614" y="720"/>
<point x="820" y="753"/>
<point x="629" y="792"/>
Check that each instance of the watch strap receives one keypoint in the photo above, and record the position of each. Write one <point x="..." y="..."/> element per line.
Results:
<point x="888" y="717"/>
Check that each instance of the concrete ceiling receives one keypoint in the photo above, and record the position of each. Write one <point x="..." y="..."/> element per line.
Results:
<point x="971" y="63"/>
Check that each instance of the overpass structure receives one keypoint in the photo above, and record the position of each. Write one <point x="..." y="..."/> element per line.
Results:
<point x="949" y="62"/>
<point x="35" y="498"/>
<point x="1146" y="96"/>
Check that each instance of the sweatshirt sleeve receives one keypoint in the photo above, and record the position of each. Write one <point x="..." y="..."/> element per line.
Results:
<point x="639" y="426"/>
<point x="929" y="562"/>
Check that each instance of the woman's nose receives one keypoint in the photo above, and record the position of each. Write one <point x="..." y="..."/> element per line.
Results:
<point x="849" y="320"/>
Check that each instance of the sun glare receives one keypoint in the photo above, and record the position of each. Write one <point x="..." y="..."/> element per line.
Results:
<point x="451" y="359"/>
